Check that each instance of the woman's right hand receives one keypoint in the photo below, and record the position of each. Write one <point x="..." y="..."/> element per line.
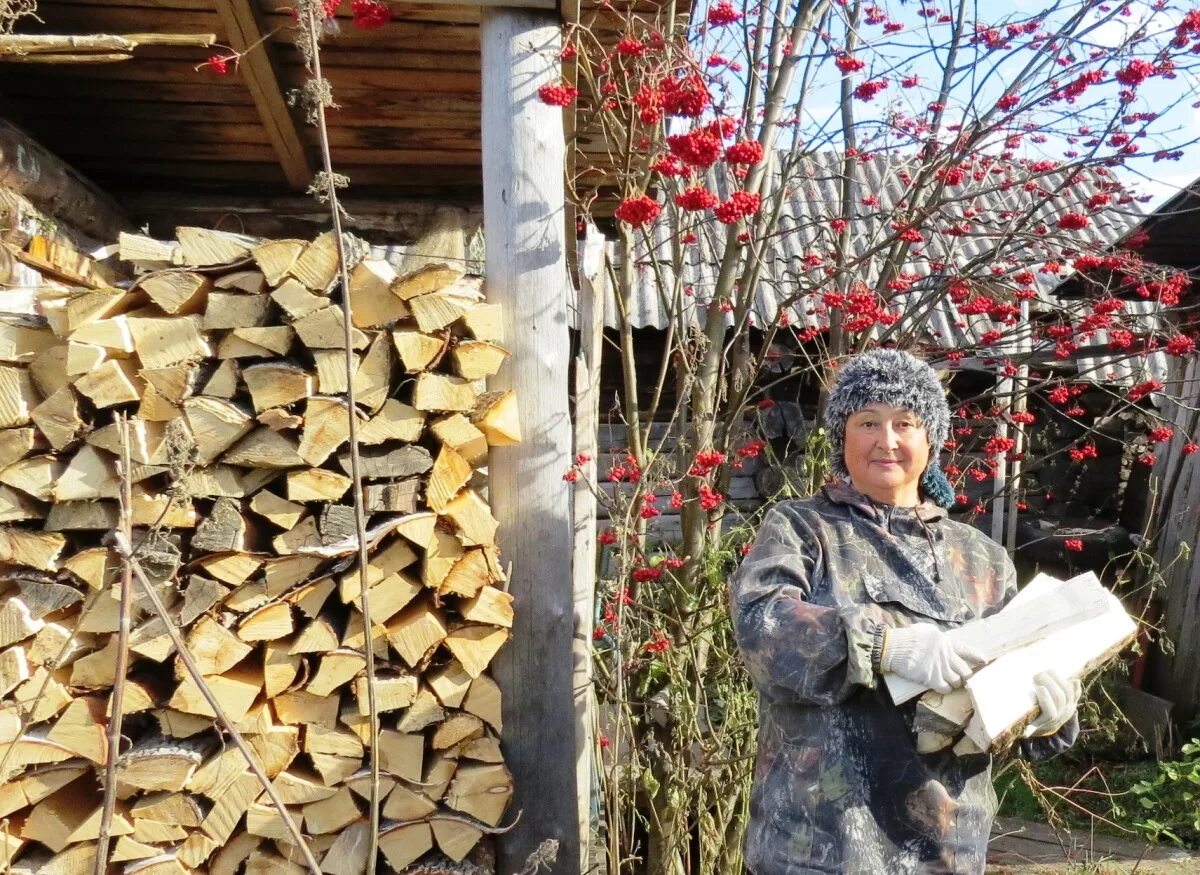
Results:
<point x="924" y="654"/>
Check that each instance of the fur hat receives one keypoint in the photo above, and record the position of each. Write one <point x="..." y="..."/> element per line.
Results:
<point x="891" y="376"/>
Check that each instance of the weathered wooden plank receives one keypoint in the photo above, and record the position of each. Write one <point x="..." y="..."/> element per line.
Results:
<point x="1176" y="676"/>
<point x="348" y="79"/>
<point x="451" y="14"/>
<point x="258" y="70"/>
<point x="386" y="58"/>
<point x="402" y="11"/>
<point x="278" y="23"/>
<point x="263" y="153"/>
<point x="443" y="82"/>
<point x="160" y="5"/>
<point x="592" y="261"/>
<point x="196" y="92"/>
<point x="59" y="17"/>
<point x="113" y="115"/>
<point x="185" y="174"/>
<point x="522" y="139"/>
<point x="216" y="175"/>
<point x="355" y="104"/>
<point x="235" y="134"/>
<point x="395" y="217"/>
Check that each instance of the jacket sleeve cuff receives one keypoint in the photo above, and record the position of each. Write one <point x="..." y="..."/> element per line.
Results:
<point x="1047" y="746"/>
<point x="878" y="642"/>
<point x="861" y="665"/>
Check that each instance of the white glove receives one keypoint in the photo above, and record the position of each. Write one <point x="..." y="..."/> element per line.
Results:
<point x="926" y="655"/>
<point x="1057" y="697"/>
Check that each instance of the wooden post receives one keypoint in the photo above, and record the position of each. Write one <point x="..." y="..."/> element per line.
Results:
<point x="523" y="197"/>
<point x="55" y="188"/>
<point x="1018" y="404"/>
<point x="1176" y="676"/>
<point x="593" y="258"/>
<point x="1005" y="388"/>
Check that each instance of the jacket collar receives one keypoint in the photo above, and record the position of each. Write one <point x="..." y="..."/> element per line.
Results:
<point x="842" y="492"/>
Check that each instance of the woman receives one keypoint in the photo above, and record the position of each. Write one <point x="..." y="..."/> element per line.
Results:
<point x="859" y="580"/>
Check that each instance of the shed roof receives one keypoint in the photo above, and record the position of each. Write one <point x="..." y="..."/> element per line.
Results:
<point x="803" y="227"/>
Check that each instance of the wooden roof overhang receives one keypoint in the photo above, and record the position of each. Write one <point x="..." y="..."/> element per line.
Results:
<point x="163" y="124"/>
<point x="407" y="126"/>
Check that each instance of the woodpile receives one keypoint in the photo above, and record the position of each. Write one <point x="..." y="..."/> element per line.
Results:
<point x="227" y="356"/>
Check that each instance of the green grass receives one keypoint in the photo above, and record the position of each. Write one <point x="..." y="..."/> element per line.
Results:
<point x="1080" y="795"/>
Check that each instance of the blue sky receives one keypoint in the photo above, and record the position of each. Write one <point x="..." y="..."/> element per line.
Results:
<point x="1177" y="128"/>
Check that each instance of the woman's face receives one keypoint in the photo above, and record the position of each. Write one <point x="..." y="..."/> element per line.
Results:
<point x="886" y="451"/>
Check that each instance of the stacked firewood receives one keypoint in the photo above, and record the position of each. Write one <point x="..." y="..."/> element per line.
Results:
<point x="221" y="372"/>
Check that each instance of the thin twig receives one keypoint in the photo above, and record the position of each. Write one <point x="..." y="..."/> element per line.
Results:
<point x="117" y="701"/>
<point x="360" y="515"/>
<point x="185" y="656"/>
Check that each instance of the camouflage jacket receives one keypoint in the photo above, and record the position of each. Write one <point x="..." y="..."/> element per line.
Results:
<point x="838" y="783"/>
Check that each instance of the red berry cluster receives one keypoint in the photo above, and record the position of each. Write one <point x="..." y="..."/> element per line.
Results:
<point x="696" y="198"/>
<point x="867" y="91"/>
<point x="558" y="95"/>
<point x="744" y="152"/>
<point x="722" y="14"/>
<point x="1140" y="391"/>
<point x="741" y="204"/>
<point x="638" y="210"/>
<point x="1079" y="454"/>
<point x="1181" y="345"/>
<point x="370" y="14"/>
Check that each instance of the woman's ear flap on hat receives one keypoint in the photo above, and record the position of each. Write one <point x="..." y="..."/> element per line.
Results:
<point x="936" y="485"/>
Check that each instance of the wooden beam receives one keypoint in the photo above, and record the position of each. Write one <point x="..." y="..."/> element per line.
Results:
<point x="524" y="165"/>
<point x="31" y="44"/>
<point x="1175" y="675"/>
<point x="262" y="79"/>
<point x="593" y="276"/>
<point x="49" y="58"/>
<point x="55" y="187"/>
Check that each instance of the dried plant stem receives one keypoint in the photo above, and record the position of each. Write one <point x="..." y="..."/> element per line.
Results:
<point x="117" y="701"/>
<point x="360" y="516"/>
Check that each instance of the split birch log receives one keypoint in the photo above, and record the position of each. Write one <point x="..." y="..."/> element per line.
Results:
<point x="1021" y="623"/>
<point x="1002" y="692"/>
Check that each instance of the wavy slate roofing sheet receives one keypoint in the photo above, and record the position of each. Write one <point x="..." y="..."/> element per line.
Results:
<point x="803" y="226"/>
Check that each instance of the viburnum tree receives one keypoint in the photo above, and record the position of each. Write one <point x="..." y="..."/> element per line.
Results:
<point x="789" y="183"/>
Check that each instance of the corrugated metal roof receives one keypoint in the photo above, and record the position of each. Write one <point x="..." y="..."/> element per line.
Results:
<point x="803" y="227"/>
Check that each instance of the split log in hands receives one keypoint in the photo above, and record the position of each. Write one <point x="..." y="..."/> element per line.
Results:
<point x="227" y="354"/>
<point x="1073" y="627"/>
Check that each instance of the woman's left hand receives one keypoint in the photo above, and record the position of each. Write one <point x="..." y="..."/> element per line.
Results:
<point x="1057" y="697"/>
